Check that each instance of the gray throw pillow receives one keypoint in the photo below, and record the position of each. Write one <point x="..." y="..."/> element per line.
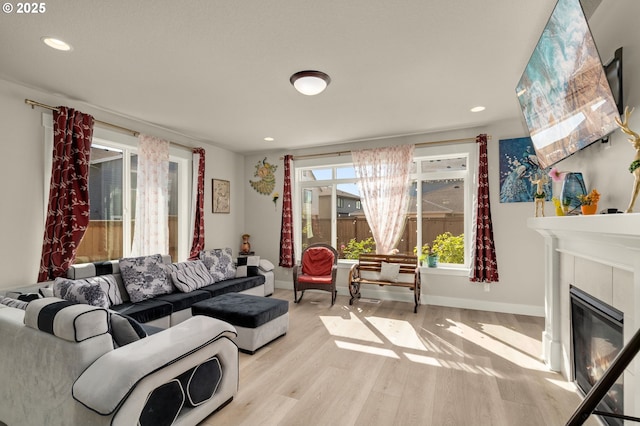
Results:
<point x="13" y="303"/>
<point x="220" y="263"/>
<point x="125" y="329"/>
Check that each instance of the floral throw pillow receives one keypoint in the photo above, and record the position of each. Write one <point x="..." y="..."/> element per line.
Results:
<point x="144" y="277"/>
<point x="220" y="263"/>
<point x="101" y="291"/>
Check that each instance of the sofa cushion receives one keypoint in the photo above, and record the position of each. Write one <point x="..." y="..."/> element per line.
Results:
<point x="317" y="261"/>
<point x="219" y="262"/>
<point x="145" y="311"/>
<point x="144" y="277"/>
<point x="247" y="266"/>
<point x="189" y="276"/>
<point x="235" y="285"/>
<point x="163" y="405"/>
<point x="180" y="301"/>
<point x="70" y="321"/>
<point x="99" y="291"/>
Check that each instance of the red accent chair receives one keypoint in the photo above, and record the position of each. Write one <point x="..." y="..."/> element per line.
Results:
<point x="316" y="271"/>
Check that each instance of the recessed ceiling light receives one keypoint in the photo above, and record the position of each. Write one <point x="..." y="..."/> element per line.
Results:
<point x="56" y="43"/>
<point x="269" y="139"/>
<point x="310" y="82"/>
<point x="477" y="108"/>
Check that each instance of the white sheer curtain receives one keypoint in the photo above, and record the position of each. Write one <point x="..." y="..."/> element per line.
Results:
<point x="151" y="231"/>
<point x="383" y="180"/>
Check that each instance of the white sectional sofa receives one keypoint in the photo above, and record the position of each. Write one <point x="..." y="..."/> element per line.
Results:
<point x="60" y="366"/>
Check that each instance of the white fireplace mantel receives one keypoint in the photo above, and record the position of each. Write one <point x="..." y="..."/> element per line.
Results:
<point x="611" y="240"/>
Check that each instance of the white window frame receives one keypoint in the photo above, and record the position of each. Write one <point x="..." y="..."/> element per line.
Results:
<point x="129" y="145"/>
<point x="466" y="150"/>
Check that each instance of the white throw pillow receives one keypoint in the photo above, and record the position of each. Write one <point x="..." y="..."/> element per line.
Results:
<point x="265" y="265"/>
<point x="389" y="271"/>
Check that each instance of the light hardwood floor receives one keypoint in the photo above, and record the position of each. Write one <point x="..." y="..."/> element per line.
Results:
<point x="381" y="364"/>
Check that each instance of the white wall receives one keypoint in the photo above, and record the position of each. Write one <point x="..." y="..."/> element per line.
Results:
<point x="224" y="229"/>
<point x="22" y="177"/>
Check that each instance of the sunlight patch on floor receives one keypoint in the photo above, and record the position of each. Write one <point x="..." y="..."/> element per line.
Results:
<point x="563" y="384"/>
<point x="454" y="365"/>
<point x="352" y="328"/>
<point x="496" y="346"/>
<point x="367" y="349"/>
<point x="435" y="343"/>
<point x="399" y="333"/>
<point x="506" y="334"/>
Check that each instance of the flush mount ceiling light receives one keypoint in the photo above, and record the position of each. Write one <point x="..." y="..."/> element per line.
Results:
<point x="310" y="82"/>
<point x="478" y="108"/>
<point x="56" y="43"/>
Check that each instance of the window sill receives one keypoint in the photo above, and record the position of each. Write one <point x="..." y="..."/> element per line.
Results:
<point x="459" y="271"/>
<point x="445" y="270"/>
<point x="346" y="263"/>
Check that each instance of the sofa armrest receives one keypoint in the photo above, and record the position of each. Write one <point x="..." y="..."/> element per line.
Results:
<point x="107" y="383"/>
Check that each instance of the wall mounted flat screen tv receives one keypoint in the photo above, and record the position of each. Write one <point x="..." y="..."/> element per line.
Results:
<point x="564" y="94"/>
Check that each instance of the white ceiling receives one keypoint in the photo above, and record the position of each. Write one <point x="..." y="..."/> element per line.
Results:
<point x="218" y="71"/>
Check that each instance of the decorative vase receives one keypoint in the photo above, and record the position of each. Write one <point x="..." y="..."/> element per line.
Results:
<point x="572" y="186"/>
<point x="559" y="210"/>
<point x="245" y="248"/>
<point x="590" y="209"/>
<point x="432" y="261"/>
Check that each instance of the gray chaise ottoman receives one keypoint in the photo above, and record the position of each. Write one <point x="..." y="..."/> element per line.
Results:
<point x="258" y="320"/>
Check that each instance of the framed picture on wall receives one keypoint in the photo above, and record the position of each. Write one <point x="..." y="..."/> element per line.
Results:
<point x="220" y="198"/>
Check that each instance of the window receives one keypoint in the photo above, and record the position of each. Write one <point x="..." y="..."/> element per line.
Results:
<point x="440" y="201"/>
<point x="112" y="175"/>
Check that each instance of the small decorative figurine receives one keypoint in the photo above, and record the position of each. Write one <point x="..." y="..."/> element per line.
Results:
<point x="540" y="195"/>
<point x="245" y="248"/>
<point x="634" y="168"/>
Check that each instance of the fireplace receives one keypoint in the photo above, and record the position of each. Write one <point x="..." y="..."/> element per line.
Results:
<point x="596" y="337"/>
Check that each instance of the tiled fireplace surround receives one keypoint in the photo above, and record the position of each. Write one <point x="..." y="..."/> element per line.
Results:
<point x="599" y="254"/>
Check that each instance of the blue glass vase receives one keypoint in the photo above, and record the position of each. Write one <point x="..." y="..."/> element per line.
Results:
<point x="572" y="186"/>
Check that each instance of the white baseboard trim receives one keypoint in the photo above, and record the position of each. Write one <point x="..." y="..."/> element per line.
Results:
<point x="404" y="295"/>
<point x="484" y="305"/>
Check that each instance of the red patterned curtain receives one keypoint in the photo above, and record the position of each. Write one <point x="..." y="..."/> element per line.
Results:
<point x="485" y="265"/>
<point x="197" y="244"/>
<point x="286" y="232"/>
<point x="68" y="210"/>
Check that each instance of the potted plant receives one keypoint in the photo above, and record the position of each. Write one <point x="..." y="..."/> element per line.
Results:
<point x="589" y="202"/>
<point x="432" y="259"/>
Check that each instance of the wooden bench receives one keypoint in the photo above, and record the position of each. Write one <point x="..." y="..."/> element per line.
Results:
<point x="369" y="266"/>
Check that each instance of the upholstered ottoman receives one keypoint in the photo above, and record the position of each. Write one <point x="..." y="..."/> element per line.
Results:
<point x="258" y="320"/>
